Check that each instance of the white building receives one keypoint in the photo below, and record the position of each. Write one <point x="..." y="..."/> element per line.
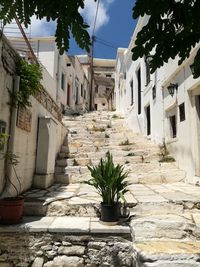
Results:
<point x="149" y="108"/>
<point x="104" y="82"/>
<point x="69" y="84"/>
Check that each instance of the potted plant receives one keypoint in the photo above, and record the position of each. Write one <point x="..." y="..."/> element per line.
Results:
<point x="11" y="207"/>
<point x="111" y="184"/>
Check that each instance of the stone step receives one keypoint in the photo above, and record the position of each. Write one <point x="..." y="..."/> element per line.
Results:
<point x="61" y="178"/>
<point x="77" y="174"/>
<point x="94" y="161"/>
<point x="143" y="200"/>
<point x="106" y="139"/>
<point x="64" y="149"/>
<point x="112" y="149"/>
<point x="116" y="153"/>
<point x="66" y="224"/>
<point x="167" y="227"/>
<point x="168" y="253"/>
<point x="91" y="125"/>
<point x="135" y="168"/>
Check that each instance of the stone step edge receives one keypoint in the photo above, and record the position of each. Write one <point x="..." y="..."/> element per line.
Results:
<point x="65" y="224"/>
<point x="172" y="251"/>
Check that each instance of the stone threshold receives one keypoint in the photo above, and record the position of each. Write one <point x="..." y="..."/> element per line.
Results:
<point x="65" y="224"/>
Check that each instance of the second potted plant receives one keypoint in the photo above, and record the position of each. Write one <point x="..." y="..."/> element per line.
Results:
<point x="111" y="184"/>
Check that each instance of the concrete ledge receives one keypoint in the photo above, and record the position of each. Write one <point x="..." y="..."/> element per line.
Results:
<point x="65" y="224"/>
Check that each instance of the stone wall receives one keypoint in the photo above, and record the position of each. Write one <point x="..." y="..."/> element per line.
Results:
<point x="60" y="250"/>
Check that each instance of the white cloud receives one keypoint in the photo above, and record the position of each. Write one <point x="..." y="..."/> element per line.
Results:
<point x="37" y="28"/>
<point x="42" y="27"/>
<point x="89" y="13"/>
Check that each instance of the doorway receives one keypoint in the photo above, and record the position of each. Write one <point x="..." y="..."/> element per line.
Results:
<point x="148" y="119"/>
<point x="68" y="94"/>
<point x="197" y="111"/>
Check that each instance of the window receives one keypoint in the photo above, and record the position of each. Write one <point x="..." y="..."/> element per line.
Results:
<point x="108" y="75"/>
<point x="182" y="112"/>
<point x="148" y="76"/>
<point x="82" y="90"/>
<point x="172" y="121"/>
<point x="68" y="94"/>
<point x="63" y="81"/>
<point x="68" y="64"/>
<point x="77" y="92"/>
<point x="103" y="104"/>
<point x="132" y="96"/>
<point x="154" y="92"/>
<point x="139" y="91"/>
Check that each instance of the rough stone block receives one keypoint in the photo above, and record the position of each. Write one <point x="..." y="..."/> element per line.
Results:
<point x="64" y="261"/>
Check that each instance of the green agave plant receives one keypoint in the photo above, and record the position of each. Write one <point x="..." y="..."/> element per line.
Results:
<point x="109" y="180"/>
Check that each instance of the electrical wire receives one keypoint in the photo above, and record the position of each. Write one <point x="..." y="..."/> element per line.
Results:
<point x="105" y="41"/>
<point x="95" y="20"/>
<point x="113" y="47"/>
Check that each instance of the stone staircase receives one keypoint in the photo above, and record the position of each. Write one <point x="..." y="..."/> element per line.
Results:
<point x="165" y="219"/>
<point x="89" y="138"/>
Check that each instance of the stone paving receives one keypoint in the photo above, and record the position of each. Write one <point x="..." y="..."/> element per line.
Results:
<point x="165" y="219"/>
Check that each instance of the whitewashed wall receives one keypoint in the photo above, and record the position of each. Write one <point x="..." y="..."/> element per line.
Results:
<point x="185" y="147"/>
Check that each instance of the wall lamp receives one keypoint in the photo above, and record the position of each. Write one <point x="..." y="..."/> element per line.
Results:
<point x="148" y="59"/>
<point x="172" y="87"/>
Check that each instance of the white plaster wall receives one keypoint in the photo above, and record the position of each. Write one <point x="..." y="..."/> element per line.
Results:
<point x="49" y="83"/>
<point x="185" y="146"/>
<point x="25" y="144"/>
<point x="46" y="55"/>
<point x="5" y="82"/>
<point x="134" y="120"/>
<point x="120" y="83"/>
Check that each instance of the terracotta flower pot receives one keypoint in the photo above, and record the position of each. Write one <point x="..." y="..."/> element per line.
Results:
<point x="11" y="210"/>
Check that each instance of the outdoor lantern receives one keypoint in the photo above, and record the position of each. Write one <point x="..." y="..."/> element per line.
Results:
<point x="171" y="88"/>
<point x="192" y="68"/>
<point x="148" y="59"/>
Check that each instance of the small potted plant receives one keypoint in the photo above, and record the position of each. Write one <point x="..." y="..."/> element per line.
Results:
<point x="11" y="207"/>
<point x="111" y="184"/>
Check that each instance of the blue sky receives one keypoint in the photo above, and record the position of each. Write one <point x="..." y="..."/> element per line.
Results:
<point x="114" y="26"/>
<point x="116" y="31"/>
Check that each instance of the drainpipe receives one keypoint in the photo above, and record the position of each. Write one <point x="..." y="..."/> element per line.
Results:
<point x="163" y="119"/>
<point x="57" y="77"/>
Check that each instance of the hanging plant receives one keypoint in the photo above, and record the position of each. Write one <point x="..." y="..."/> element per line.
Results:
<point x="30" y="77"/>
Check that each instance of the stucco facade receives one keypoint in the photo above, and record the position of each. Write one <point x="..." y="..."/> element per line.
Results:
<point x="144" y="100"/>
